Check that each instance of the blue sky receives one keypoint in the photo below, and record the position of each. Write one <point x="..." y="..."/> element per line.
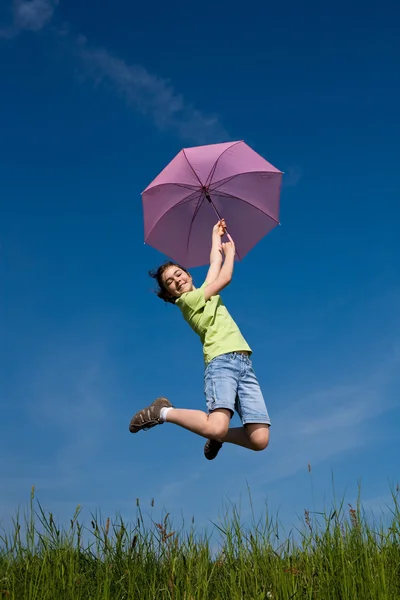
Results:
<point x="96" y="98"/>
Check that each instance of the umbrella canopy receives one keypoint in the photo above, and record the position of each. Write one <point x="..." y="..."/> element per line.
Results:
<point x="199" y="186"/>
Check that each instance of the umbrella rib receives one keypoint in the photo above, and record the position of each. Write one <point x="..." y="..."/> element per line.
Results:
<point x="195" y="213"/>
<point x="199" y="202"/>
<point x="195" y="174"/>
<point x="227" y="179"/>
<point x="183" y="201"/>
<point x="214" y="167"/>
<point x="250" y="204"/>
<point x="183" y="185"/>
<point x="220" y="182"/>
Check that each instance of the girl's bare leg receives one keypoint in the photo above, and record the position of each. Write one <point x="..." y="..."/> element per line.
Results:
<point x="254" y="436"/>
<point x="214" y="425"/>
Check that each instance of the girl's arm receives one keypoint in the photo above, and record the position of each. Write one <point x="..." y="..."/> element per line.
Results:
<point x="216" y="251"/>
<point x="225" y="274"/>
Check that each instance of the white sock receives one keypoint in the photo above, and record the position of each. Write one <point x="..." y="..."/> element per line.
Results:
<point x="163" y="413"/>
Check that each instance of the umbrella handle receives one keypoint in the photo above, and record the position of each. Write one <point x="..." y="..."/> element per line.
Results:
<point x="219" y="216"/>
<point x="213" y="205"/>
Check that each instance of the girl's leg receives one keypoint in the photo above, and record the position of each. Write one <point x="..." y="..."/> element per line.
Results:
<point x="214" y="425"/>
<point x="220" y="382"/>
<point x="254" y="436"/>
<point x="221" y="386"/>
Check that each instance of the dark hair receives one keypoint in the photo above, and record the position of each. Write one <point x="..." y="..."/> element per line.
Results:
<point x="157" y="274"/>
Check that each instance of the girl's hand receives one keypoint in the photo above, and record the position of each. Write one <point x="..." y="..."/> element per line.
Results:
<point x="229" y="248"/>
<point x="220" y="228"/>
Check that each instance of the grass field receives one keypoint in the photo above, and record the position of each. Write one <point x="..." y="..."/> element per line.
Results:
<point x="337" y="555"/>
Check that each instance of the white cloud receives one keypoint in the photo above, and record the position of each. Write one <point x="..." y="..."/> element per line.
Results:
<point x="30" y="15"/>
<point x="151" y="95"/>
<point x="322" y="426"/>
<point x="70" y="393"/>
<point x="328" y="423"/>
<point x="33" y="14"/>
<point x="67" y="403"/>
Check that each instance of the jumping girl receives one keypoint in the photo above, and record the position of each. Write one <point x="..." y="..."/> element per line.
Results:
<point x="229" y="380"/>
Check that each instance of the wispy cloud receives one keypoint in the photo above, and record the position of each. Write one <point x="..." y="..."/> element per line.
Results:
<point x="33" y="14"/>
<point x="151" y="95"/>
<point x="70" y="394"/>
<point x="64" y="399"/>
<point x="30" y="15"/>
<point x="325" y="424"/>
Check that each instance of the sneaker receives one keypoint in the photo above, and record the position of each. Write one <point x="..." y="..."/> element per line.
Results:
<point x="211" y="449"/>
<point x="150" y="416"/>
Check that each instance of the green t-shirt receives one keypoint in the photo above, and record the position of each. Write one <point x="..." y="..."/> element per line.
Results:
<point x="210" y="319"/>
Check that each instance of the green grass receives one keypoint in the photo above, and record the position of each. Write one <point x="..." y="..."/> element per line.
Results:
<point x="337" y="555"/>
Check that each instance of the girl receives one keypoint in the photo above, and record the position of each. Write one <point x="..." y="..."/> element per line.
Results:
<point x="230" y="382"/>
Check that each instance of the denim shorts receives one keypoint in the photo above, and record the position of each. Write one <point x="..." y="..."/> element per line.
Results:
<point x="230" y="383"/>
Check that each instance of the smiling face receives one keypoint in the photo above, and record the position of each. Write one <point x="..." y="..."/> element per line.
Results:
<point x="176" y="281"/>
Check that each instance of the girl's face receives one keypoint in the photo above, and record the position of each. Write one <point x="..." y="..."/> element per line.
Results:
<point x="176" y="281"/>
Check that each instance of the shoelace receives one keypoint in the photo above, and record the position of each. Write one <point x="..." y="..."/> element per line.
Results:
<point x="145" y="417"/>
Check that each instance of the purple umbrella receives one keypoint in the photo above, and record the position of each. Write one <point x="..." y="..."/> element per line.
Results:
<point x="230" y="180"/>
